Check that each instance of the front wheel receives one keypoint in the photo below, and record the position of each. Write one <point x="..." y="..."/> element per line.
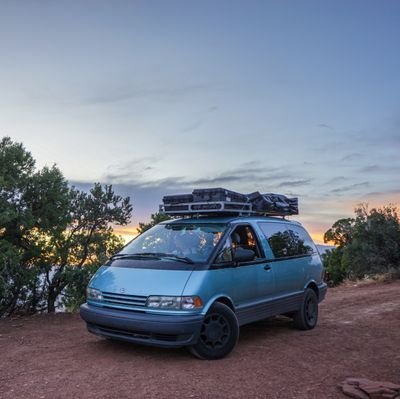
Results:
<point x="306" y="318"/>
<point x="218" y="335"/>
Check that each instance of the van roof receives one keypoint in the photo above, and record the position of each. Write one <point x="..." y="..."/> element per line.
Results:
<point x="230" y="219"/>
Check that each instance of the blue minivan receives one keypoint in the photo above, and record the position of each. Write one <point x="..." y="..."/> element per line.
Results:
<point x="194" y="281"/>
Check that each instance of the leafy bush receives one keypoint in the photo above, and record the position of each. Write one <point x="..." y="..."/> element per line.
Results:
<point x="155" y="219"/>
<point x="52" y="236"/>
<point x="335" y="270"/>
<point x="75" y="292"/>
<point x="367" y="245"/>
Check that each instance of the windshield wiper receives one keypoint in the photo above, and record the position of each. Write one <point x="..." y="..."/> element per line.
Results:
<point x="167" y="255"/>
<point x="154" y="255"/>
<point x="135" y="255"/>
<point x="181" y="258"/>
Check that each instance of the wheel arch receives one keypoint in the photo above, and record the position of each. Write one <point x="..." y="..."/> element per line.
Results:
<point x="224" y="299"/>
<point x="313" y="285"/>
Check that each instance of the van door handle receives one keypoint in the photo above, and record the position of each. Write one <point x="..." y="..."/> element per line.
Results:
<point x="267" y="267"/>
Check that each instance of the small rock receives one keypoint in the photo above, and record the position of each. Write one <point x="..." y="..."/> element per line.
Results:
<point x="362" y="388"/>
<point x="353" y="392"/>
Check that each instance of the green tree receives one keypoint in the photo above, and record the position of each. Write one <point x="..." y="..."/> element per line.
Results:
<point x="88" y="238"/>
<point x="368" y="244"/>
<point x="33" y="204"/>
<point x="341" y="235"/>
<point x="335" y="269"/>
<point x="376" y="244"/>
<point x="77" y="277"/>
<point x="341" y="232"/>
<point x="50" y="233"/>
<point x="155" y="219"/>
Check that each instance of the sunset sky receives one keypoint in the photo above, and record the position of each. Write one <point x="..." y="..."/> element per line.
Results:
<point x="160" y="97"/>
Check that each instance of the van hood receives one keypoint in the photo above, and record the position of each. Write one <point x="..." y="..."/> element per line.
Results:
<point x="142" y="277"/>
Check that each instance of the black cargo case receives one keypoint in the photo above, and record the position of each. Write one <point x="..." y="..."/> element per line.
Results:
<point x="218" y="194"/>
<point x="178" y="199"/>
<point x="221" y="201"/>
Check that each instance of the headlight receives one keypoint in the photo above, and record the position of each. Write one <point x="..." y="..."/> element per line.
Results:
<point x="92" y="293"/>
<point x="174" y="302"/>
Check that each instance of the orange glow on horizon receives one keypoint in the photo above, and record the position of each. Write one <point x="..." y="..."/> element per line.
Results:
<point x="316" y="223"/>
<point x="127" y="233"/>
<point x="130" y="232"/>
<point x="318" y="237"/>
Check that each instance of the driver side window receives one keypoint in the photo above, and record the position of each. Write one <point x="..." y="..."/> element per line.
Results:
<point x="245" y="238"/>
<point x="242" y="237"/>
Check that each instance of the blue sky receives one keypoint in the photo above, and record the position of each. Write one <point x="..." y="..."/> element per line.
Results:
<point x="158" y="97"/>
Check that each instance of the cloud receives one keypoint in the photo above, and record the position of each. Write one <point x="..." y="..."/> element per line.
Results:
<point x="145" y="200"/>
<point x="384" y="134"/>
<point x="371" y="168"/>
<point x="378" y="168"/>
<point x="224" y="179"/>
<point x="193" y="126"/>
<point x="254" y="163"/>
<point x="131" y="171"/>
<point x="229" y="178"/>
<point x="325" y="126"/>
<point x="146" y="193"/>
<point x="138" y="174"/>
<point x="202" y="118"/>
<point x="351" y="187"/>
<point x="351" y="157"/>
<point x="383" y="193"/>
<point x="117" y="91"/>
<point x="122" y="92"/>
<point x="295" y="183"/>
<point x="337" y="179"/>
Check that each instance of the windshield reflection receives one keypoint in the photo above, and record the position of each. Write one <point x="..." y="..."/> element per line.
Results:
<point x="192" y="241"/>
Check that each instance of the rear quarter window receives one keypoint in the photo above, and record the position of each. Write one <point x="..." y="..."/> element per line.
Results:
<point x="287" y="240"/>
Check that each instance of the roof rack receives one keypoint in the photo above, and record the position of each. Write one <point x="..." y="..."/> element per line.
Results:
<point x="219" y="201"/>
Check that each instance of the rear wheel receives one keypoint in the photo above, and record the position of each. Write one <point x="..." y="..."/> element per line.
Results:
<point x="218" y="335"/>
<point x="306" y="318"/>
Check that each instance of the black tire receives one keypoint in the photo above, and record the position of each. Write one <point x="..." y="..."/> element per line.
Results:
<point x="307" y="317"/>
<point x="218" y="335"/>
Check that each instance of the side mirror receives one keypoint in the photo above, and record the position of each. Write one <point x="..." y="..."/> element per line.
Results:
<point x="243" y="255"/>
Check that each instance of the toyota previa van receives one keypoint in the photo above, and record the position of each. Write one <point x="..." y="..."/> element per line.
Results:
<point x="195" y="281"/>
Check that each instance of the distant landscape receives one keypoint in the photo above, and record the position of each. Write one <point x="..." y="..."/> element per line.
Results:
<point x="324" y="248"/>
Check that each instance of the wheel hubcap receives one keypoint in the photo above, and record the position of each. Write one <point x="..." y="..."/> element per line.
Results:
<point x="311" y="309"/>
<point x="215" y="331"/>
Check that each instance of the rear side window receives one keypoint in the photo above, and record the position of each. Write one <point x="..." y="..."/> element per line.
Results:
<point x="287" y="240"/>
<point x="307" y="243"/>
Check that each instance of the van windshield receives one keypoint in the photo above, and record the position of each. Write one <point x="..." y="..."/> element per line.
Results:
<point x="190" y="242"/>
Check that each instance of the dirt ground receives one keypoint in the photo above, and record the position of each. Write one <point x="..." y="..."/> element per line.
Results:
<point x="358" y="335"/>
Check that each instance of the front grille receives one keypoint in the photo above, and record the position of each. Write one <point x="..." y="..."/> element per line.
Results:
<point x="124" y="300"/>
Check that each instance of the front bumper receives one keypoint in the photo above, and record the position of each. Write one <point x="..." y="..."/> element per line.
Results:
<point x="168" y="331"/>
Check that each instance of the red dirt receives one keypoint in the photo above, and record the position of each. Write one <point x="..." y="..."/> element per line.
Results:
<point x="358" y="335"/>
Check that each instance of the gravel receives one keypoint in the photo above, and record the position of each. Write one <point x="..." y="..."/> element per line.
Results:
<point x="53" y="356"/>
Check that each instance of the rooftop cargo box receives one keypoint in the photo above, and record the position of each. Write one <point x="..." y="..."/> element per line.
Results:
<point x="274" y="203"/>
<point x="218" y="194"/>
<point x="178" y="199"/>
<point x="222" y="201"/>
